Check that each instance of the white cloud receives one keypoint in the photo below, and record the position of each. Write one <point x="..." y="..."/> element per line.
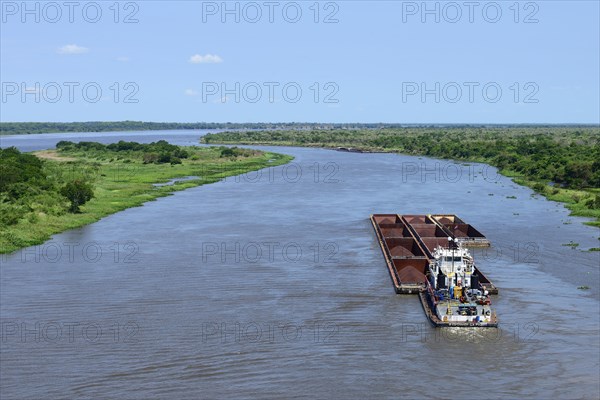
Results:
<point x="72" y="49"/>
<point x="206" y="59"/>
<point x="123" y="59"/>
<point x="191" y="92"/>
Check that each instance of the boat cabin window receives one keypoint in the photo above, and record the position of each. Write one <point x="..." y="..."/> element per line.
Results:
<point x="456" y="259"/>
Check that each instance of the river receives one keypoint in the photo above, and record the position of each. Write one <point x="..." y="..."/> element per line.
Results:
<point x="273" y="285"/>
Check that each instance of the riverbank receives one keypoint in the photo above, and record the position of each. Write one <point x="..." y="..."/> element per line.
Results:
<point x="560" y="163"/>
<point x="120" y="178"/>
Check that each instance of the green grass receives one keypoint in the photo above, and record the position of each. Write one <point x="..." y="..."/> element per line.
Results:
<point x="573" y="199"/>
<point x="122" y="183"/>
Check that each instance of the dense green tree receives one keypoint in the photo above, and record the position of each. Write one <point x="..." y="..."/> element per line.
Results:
<point x="18" y="172"/>
<point x="78" y="193"/>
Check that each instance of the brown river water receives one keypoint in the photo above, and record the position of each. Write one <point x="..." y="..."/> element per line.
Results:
<point x="272" y="285"/>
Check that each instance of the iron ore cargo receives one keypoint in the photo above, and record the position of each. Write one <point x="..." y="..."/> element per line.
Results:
<point x="427" y="255"/>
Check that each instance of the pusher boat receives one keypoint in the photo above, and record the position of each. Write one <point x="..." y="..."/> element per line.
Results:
<point x="453" y="295"/>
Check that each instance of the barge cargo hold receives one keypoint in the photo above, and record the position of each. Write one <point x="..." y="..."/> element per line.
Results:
<point x="414" y="246"/>
<point x="408" y="243"/>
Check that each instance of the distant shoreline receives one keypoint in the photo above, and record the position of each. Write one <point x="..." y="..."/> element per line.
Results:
<point x="559" y="163"/>
<point x="30" y="128"/>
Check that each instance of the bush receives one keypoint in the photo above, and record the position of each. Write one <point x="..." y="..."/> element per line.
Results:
<point x="22" y="170"/>
<point x="164" y="158"/>
<point x="180" y="153"/>
<point x="539" y="187"/>
<point x="593" y="203"/>
<point x="78" y="193"/>
<point x="150" y="158"/>
<point x="64" y="145"/>
<point x="10" y="214"/>
<point x="228" y="151"/>
<point x="90" y="146"/>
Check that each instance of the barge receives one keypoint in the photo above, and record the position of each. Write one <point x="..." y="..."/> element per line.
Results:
<point x="464" y="233"/>
<point x="417" y="250"/>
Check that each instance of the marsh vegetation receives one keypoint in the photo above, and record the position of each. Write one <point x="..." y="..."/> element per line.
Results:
<point x="48" y="192"/>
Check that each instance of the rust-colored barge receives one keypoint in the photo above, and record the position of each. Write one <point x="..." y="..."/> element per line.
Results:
<point x="425" y="255"/>
<point x="408" y="241"/>
<point x="464" y="233"/>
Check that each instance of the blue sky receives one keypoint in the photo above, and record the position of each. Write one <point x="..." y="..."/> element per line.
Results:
<point x="354" y="61"/>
